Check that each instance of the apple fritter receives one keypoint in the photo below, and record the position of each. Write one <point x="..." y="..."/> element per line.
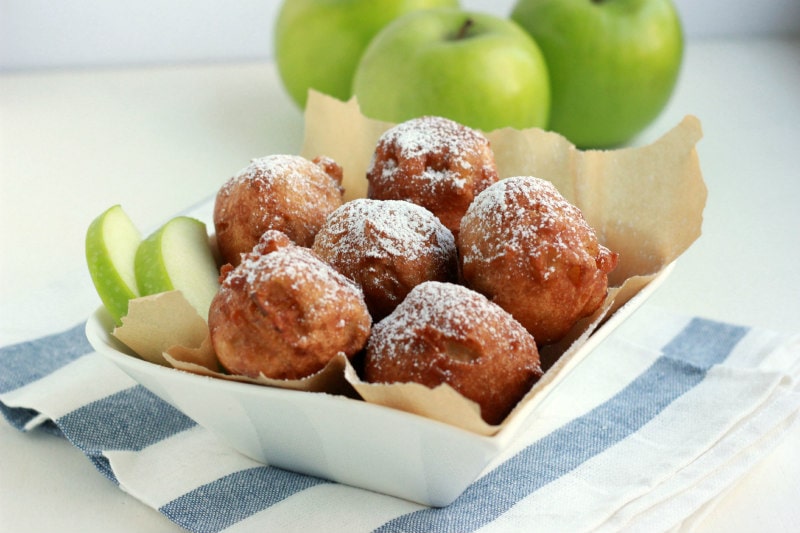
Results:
<point x="387" y="247"/>
<point x="447" y="333"/>
<point x="285" y="314"/>
<point x="287" y="193"/>
<point x="530" y="251"/>
<point x="433" y="162"/>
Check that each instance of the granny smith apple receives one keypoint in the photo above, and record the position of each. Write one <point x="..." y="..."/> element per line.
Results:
<point x="178" y="256"/>
<point x="111" y="244"/>
<point x="475" y="68"/>
<point x="613" y="63"/>
<point x="318" y="42"/>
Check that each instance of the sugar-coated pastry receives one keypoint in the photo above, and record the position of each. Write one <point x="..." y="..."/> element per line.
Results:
<point x="434" y="162"/>
<point x="387" y="247"/>
<point x="287" y="193"/>
<point x="530" y="251"/>
<point x="285" y="314"/>
<point x="446" y="333"/>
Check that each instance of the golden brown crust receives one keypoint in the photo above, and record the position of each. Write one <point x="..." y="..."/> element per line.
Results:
<point x="433" y="162"/>
<point x="285" y="314"/>
<point x="282" y="192"/>
<point x="531" y="252"/>
<point x="446" y="333"/>
<point x="387" y="247"/>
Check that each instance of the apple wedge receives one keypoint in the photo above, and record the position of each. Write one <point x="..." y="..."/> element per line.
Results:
<point x="178" y="257"/>
<point x="111" y="244"/>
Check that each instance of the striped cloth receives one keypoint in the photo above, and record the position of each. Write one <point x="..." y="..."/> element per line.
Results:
<point x="659" y="420"/>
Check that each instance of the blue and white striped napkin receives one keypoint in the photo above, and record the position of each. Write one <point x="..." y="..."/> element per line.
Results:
<point x="660" y="419"/>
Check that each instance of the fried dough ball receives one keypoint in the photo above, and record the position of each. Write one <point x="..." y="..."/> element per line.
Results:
<point x="447" y="333"/>
<point x="387" y="247"/>
<point x="287" y="193"/>
<point x="433" y="162"/>
<point x="530" y="251"/>
<point x="285" y="314"/>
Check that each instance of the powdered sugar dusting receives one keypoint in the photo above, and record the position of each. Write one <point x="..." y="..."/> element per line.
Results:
<point x="512" y="216"/>
<point x="294" y="265"/>
<point x="274" y="166"/>
<point x="291" y="176"/>
<point x="281" y="192"/>
<point x="426" y="135"/>
<point x="436" y="138"/>
<point x="385" y="228"/>
<point x="449" y="309"/>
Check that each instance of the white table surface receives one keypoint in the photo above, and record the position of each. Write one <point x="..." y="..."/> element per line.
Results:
<point x="156" y="140"/>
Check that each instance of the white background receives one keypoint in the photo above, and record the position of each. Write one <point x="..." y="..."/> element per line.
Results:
<point x="90" y="33"/>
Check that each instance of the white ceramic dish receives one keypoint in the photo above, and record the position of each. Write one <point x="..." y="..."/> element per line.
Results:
<point x="337" y="438"/>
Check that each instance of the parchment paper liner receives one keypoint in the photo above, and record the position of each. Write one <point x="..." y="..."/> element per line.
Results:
<point x="645" y="203"/>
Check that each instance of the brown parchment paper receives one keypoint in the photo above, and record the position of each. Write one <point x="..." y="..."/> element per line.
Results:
<point x="165" y="329"/>
<point x="646" y="203"/>
<point x="158" y="324"/>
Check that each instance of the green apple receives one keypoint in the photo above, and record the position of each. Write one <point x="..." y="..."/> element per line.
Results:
<point x="111" y="244"/>
<point x="475" y="68"/>
<point x="613" y="63"/>
<point x="318" y="42"/>
<point x="178" y="257"/>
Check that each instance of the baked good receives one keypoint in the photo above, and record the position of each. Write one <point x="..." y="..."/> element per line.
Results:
<point x="530" y="251"/>
<point x="285" y="314"/>
<point x="287" y="193"/>
<point x="433" y="162"/>
<point x="387" y="247"/>
<point x="446" y="333"/>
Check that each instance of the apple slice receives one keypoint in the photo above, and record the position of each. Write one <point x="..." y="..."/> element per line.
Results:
<point x="111" y="244"/>
<point x="178" y="257"/>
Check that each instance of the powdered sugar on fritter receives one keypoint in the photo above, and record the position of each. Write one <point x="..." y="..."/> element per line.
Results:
<point x="385" y="228"/>
<point x="296" y="265"/>
<point x="449" y="309"/>
<point x="431" y="139"/>
<point x="514" y="214"/>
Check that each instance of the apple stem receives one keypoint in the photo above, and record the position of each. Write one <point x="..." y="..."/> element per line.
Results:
<point x="462" y="31"/>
